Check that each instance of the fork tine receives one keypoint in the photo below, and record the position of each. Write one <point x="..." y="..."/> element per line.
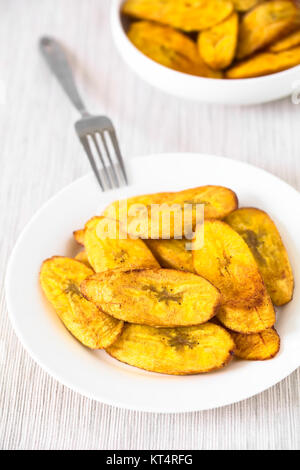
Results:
<point x="118" y="152"/>
<point x="88" y="151"/>
<point x="108" y="178"/>
<point x="112" y="166"/>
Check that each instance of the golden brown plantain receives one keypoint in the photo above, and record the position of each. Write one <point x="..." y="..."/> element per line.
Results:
<point x="138" y="212"/>
<point x="192" y="15"/>
<point x="248" y="320"/>
<point x="266" y="23"/>
<point x="287" y="42"/>
<point x="82" y="257"/>
<point x="60" y="279"/>
<point x="172" y="254"/>
<point x="265" y="63"/>
<point x="245" y="5"/>
<point x="161" y="297"/>
<point x="79" y="236"/>
<point x="110" y="253"/>
<point x="227" y="262"/>
<point x="257" y="347"/>
<point x="177" y="351"/>
<point x="170" y="48"/>
<point x="217" y="45"/>
<point x="262" y="237"/>
<point x="218" y="202"/>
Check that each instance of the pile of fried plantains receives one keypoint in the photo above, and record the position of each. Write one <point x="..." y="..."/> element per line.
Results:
<point x="159" y="305"/>
<point x="217" y="38"/>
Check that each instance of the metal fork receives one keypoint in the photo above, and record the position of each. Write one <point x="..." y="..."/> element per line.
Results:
<point x="96" y="133"/>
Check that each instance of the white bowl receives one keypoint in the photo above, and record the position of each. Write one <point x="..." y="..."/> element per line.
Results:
<point x="240" y="91"/>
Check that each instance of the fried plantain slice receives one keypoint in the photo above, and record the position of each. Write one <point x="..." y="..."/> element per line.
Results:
<point x="110" y="251"/>
<point x="257" y="347"/>
<point x="248" y="319"/>
<point x="245" y="5"/>
<point x="170" y="48"/>
<point x="262" y="237"/>
<point x="177" y="351"/>
<point x="192" y="15"/>
<point x="218" y="202"/>
<point x="79" y="236"/>
<point x="227" y="262"/>
<point x="82" y="257"/>
<point x="172" y="254"/>
<point x="60" y="279"/>
<point x="161" y="297"/>
<point x="287" y="42"/>
<point x="266" y="23"/>
<point x="265" y="64"/>
<point x="217" y="45"/>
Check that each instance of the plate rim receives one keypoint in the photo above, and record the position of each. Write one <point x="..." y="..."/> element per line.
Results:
<point x="123" y="405"/>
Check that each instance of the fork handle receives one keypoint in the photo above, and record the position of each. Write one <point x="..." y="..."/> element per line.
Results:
<point x="57" y="61"/>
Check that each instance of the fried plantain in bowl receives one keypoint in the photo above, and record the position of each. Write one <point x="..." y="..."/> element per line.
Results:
<point x="217" y="45"/>
<point x="266" y="23"/>
<point x="194" y="15"/>
<point x="170" y="48"/>
<point x="235" y="39"/>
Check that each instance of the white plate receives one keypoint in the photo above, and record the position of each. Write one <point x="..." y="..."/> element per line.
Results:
<point x="97" y="375"/>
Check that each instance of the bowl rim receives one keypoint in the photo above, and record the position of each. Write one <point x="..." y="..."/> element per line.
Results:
<point x="116" y="21"/>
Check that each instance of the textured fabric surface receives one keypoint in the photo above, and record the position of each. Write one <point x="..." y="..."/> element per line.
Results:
<point x="40" y="155"/>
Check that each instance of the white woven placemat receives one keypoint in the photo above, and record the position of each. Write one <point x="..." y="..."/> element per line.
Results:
<point x="40" y="154"/>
